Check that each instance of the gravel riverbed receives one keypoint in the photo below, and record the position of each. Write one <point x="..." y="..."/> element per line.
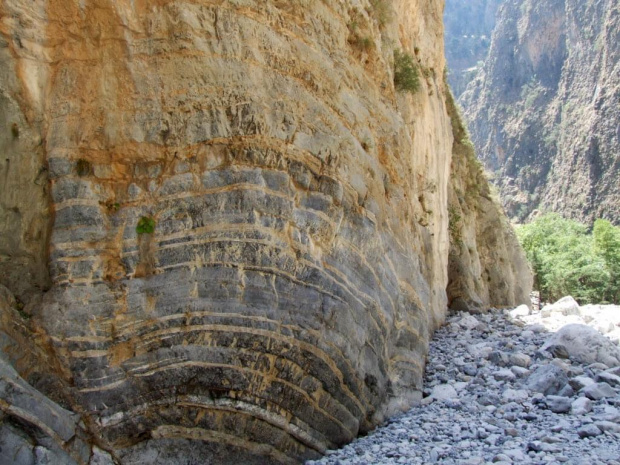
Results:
<point x="500" y="391"/>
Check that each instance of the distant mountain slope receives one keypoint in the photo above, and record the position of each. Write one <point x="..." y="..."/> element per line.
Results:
<point x="468" y="28"/>
<point x="544" y="111"/>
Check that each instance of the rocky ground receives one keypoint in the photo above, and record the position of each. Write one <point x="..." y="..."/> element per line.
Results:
<point x="499" y="390"/>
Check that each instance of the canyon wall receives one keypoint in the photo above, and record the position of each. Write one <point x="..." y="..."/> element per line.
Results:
<point x="469" y="26"/>
<point x="544" y="110"/>
<point x="234" y="230"/>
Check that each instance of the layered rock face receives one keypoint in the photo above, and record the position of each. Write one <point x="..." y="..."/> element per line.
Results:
<point x="544" y="110"/>
<point x="486" y="265"/>
<point x="249" y="244"/>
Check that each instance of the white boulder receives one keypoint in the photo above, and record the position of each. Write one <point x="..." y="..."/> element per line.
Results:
<point x="565" y="306"/>
<point x="585" y="344"/>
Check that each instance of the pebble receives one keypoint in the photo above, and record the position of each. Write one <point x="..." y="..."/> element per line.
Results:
<point x="492" y="396"/>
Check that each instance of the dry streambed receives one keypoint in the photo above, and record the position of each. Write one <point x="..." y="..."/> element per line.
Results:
<point x="500" y="390"/>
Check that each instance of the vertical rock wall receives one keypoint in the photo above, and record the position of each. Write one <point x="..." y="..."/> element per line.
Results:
<point x="25" y="218"/>
<point x="544" y="111"/>
<point x="249" y="245"/>
<point x="487" y="266"/>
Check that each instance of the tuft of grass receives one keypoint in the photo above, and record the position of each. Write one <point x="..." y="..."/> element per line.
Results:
<point x="146" y="225"/>
<point x="364" y="43"/>
<point x="406" y="78"/>
<point x="357" y="39"/>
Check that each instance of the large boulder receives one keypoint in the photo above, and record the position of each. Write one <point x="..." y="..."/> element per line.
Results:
<point x="565" y="306"/>
<point x="585" y="344"/>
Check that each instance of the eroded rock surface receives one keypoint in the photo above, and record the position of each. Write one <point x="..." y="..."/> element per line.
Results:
<point x="249" y="243"/>
<point x="543" y="111"/>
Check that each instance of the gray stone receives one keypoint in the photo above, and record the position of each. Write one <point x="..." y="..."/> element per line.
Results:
<point x="558" y="404"/>
<point x="470" y="369"/>
<point x="608" y="426"/>
<point x="499" y="358"/>
<point x="520" y="371"/>
<point x="520" y="360"/>
<point x="565" y="306"/>
<point x="44" y="456"/>
<point x="588" y="431"/>
<point x="504" y="375"/>
<point x="599" y="391"/>
<point x="444" y="392"/>
<point x="521" y="310"/>
<point x="516" y="455"/>
<point x="547" y="379"/>
<point x="597" y="367"/>
<point x="567" y="391"/>
<point x="35" y="407"/>
<point x="579" y="382"/>
<point x="609" y="378"/>
<point x="15" y="448"/>
<point x="585" y="345"/>
<point x="468" y="322"/>
<point x="512" y="395"/>
<point x="100" y="457"/>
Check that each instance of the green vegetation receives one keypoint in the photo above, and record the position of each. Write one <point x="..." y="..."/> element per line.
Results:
<point x="357" y="39"/>
<point x="406" y="77"/>
<point x="454" y="226"/>
<point x="83" y="167"/>
<point x="569" y="260"/>
<point x="146" y="225"/>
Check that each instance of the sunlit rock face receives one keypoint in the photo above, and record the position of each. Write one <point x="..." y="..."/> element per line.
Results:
<point x="543" y="111"/>
<point x="247" y="227"/>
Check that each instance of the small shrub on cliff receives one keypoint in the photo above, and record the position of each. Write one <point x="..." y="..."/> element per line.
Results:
<point x="454" y="226"/>
<point x="406" y="77"/>
<point x="146" y="225"/>
<point x="83" y="167"/>
<point x="568" y="260"/>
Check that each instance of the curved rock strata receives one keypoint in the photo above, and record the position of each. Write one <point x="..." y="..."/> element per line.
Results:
<point x="249" y="244"/>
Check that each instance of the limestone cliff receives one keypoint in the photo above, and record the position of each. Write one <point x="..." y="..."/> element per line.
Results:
<point x="244" y="224"/>
<point x="486" y="267"/>
<point x="544" y="111"/>
<point x="469" y="25"/>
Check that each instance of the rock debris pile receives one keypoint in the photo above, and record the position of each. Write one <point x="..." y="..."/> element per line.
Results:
<point x="500" y="391"/>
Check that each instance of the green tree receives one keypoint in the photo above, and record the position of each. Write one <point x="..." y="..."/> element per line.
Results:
<point x="607" y="246"/>
<point x="567" y="260"/>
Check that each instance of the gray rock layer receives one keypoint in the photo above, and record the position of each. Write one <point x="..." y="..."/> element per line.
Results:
<point x="249" y="244"/>
<point x="543" y="112"/>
